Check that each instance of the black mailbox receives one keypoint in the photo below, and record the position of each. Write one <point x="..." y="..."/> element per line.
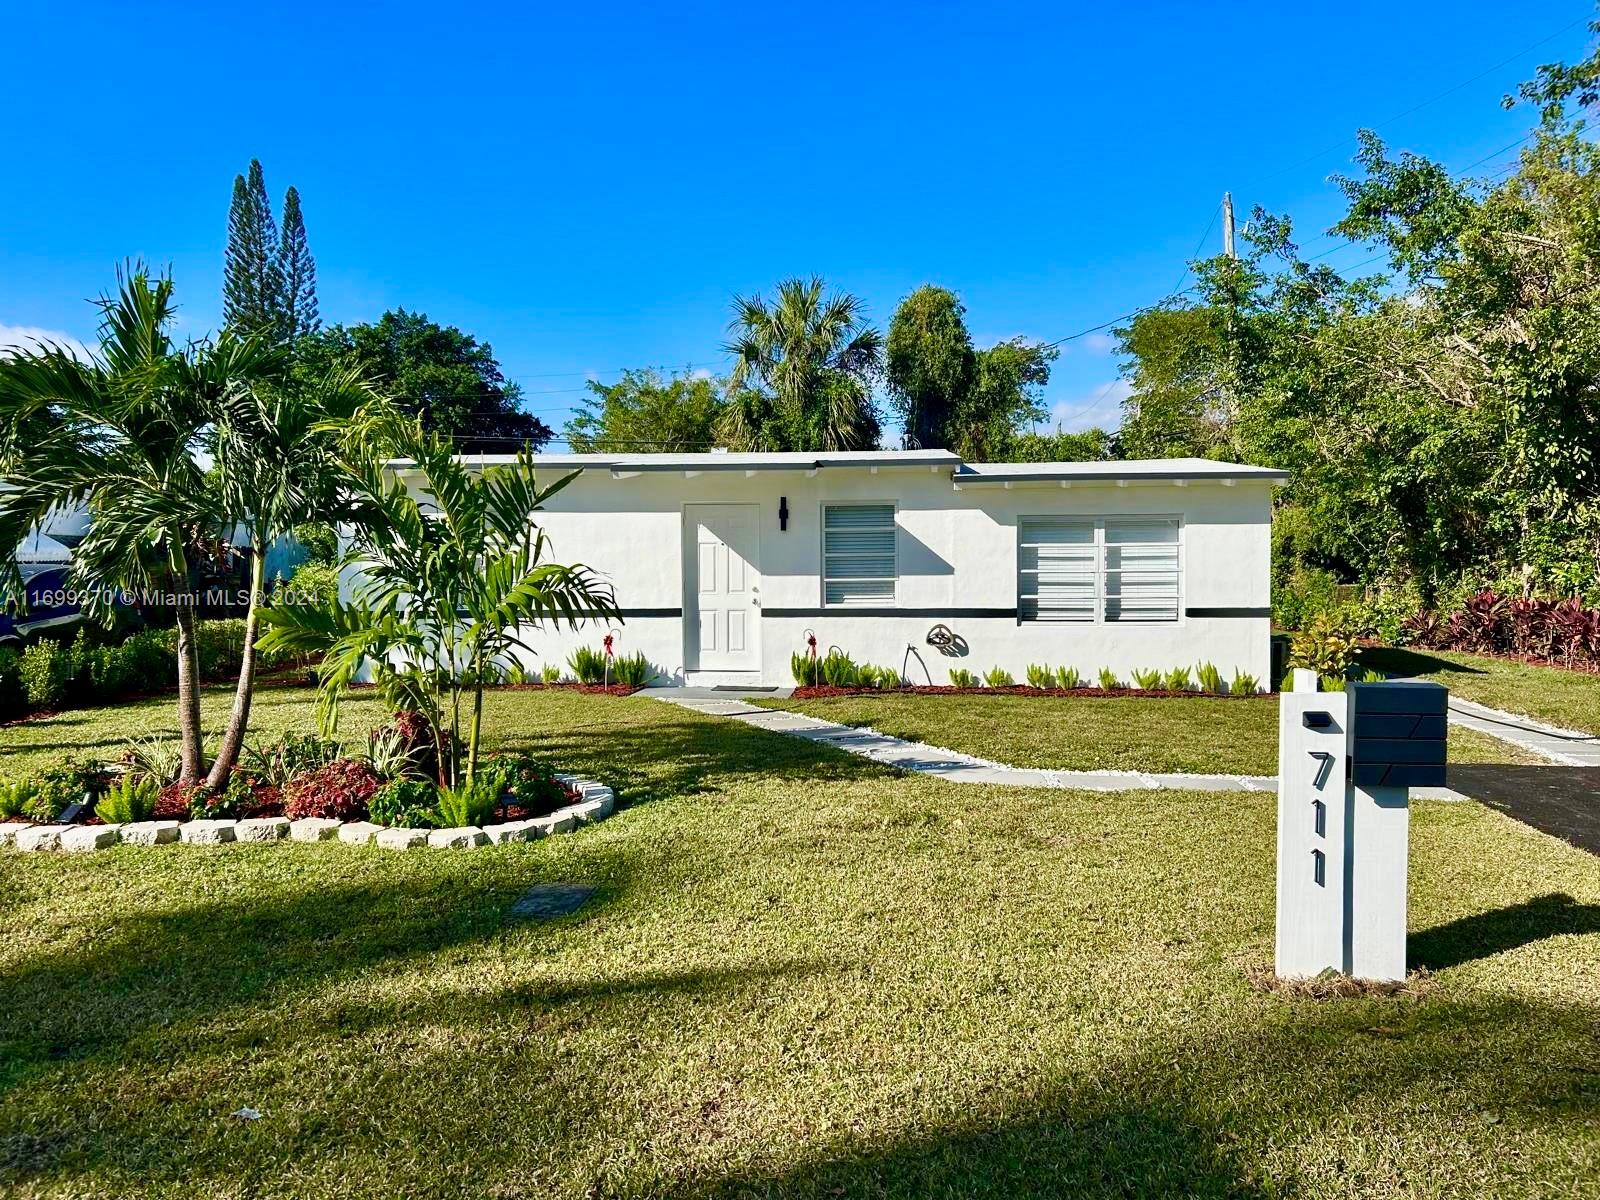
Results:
<point x="1398" y="734"/>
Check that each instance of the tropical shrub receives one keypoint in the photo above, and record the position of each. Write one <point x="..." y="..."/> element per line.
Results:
<point x="840" y="670"/>
<point x="1244" y="684"/>
<point x="962" y="678"/>
<point x="885" y="678"/>
<point x="45" y="671"/>
<point x="631" y="670"/>
<point x="389" y="751"/>
<point x="339" y="790"/>
<point x="404" y="804"/>
<point x="1040" y="676"/>
<point x="550" y="673"/>
<point x="295" y="754"/>
<point x="1209" y="678"/>
<point x="131" y="798"/>
<point x="1178" y="680"/>
<point x="588" y="664"/>
<point x="529" y="782"/>
<point x="998" y="677"/>
<point x="14" y="797"/>
<point x="1148" y="680"/>
<point x="13" y="695"/>
<point x="517" y="674"/>
<point x="805" y="669"/>
<point x="472" y="803"/>
<point x="1108" y="679"/>
<point x="1324" y="648"/>
<point x="233" y="799"/>
<point x="1068" y="678"/>
<point x="59" y="786"/>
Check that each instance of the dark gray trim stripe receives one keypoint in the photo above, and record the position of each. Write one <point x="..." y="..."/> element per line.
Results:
<point x="629" y="613"/>
<point x="937" y="613"/>
<point x="1227" y="612"/>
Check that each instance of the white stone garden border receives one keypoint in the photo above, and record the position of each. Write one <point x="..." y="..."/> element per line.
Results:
<point x="596" y="802"/>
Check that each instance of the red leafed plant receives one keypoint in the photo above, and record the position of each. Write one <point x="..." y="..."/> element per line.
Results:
<point x="339" y="790"/>
<point x="1480" y="624"/>
<point x="1426" y="629"/>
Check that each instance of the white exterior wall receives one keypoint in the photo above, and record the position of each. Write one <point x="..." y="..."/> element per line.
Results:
<point x="956" y="550"/>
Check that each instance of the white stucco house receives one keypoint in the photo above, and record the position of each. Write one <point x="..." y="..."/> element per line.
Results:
<point x="722" y="562"/>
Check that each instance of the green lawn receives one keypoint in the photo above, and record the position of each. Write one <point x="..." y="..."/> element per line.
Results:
<point x="1570" y="699"/>
<point x="1086" y="733"/>
<point x="803" y="974"/>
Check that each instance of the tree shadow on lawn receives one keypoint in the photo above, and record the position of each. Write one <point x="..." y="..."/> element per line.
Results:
<point x="1488" y="933"/>
<point x="164" y="969"/>
<point x="1398" y="661"/>
<point x="1215" y="1115"/>
<point x="691" y="755"/>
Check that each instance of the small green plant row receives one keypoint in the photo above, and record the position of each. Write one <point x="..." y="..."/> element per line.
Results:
<point x="838" y="669"/>
<point x="588" y="666"/>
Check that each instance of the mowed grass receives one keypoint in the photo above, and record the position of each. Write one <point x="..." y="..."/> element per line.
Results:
<point x="802" y="974"/>
<point x="1087" y="733"/>
<point x="1570" y="699"/>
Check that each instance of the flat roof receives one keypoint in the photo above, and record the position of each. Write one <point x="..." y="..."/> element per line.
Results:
<point x="1152" y="470"/>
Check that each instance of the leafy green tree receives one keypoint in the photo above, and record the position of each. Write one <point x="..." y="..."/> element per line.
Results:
<point x="1089" y="445"/>
<point x="252" y="274"/>
<point x="1006" y="395"/>
<point x="455" y="578"/>
<point x="803" y="370"/>
<point x="645" y="411"/>
<point x="298" y="270"/>
<point x="119" y="434"/>
<point x="446" y="378"/>
<point x="930" y="365"/>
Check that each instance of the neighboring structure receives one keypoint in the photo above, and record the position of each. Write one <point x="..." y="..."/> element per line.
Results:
<point x="723" y="562"/>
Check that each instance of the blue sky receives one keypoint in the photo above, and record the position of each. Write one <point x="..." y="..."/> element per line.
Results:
<point x="585" y="187"/>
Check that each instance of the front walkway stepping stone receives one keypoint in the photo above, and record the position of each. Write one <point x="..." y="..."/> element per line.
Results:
<point x="262" y="829"/>
<point x="461" y="838"/>
<point x="314" y="829"/>
<point x="358" y="833"/>
<point x="207" y="833"/>
<point x="150" y="833"/>
<point x="41" y="837"/>
<point x="80" y="839"/>
<point x="551" y="900"/>
<point x="402" y="839"/>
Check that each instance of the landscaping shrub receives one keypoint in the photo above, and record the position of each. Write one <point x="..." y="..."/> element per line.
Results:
<point x="550" y="673"/>
<point x="234" y="799"/>
<point x="1040" y="676"/>
<point x="404" y="804"/>
<point x="339" y="790"/>
<point x="45" y="671"/>
<point x="998" y="677"/>
<point x="14" y="797"/>
<point x="293" y="755"/>
<point x="389" y="751"/>
<point x="1558" y="631"/>
<point x="158" y="758"/>
<point x="1148" y="680"/>
<point x="1068" y="678"/>
<point x="1178" y="680"/>
<point x="1209" y="678"/>
<point x="632" y="670"/>
<point x="962" y="678"/>
<point x="1108" y="679"/>
<point x="806" y="670"/>
<point x="1244" y="684"/>
<point x="588" y="664"/>
<point x="884" y="678"/>
<point x="840" y="670"/>
<point x="59" y="786"/>
<point x="1323" y="648"/>
<point x="517" y="674"/>
<point x="470" y="804"/>
<point x="531" y="784"/>
<point x="131" y="798"/>
<point x="13" y="695"/>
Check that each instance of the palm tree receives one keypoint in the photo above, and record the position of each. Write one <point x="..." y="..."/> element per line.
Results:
<point x="118" y="434"/>
<point x="276" y="466"/>
<point x="452" y="577"/>
<point x="802" y="373"/>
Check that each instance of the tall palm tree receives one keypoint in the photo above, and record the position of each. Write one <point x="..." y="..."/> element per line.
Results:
<point x="118" y="433"/>
<point x="453" y="578"/>
<point x="803" y="369"/>
<point x="276" y="466"/>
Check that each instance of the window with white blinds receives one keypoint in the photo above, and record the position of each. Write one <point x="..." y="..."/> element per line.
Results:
<point x="1098" y="569"/>
<point x="858" y="557"/>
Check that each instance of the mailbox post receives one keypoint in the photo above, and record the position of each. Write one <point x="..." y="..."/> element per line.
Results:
<point x="1346" y="763"/>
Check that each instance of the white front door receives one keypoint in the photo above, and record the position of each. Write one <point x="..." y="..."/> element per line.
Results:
<point x="721" y="616"/>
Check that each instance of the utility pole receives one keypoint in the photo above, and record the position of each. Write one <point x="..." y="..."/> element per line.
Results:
<point x="1227" y="225"/>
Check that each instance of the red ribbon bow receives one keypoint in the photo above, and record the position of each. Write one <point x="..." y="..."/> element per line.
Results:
<point x="608" y="645"/>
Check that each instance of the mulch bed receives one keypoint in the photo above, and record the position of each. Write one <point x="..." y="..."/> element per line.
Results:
<point x="826" y="691"/>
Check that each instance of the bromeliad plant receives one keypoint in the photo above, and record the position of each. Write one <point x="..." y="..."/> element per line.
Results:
<point x="453" y="573"/>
